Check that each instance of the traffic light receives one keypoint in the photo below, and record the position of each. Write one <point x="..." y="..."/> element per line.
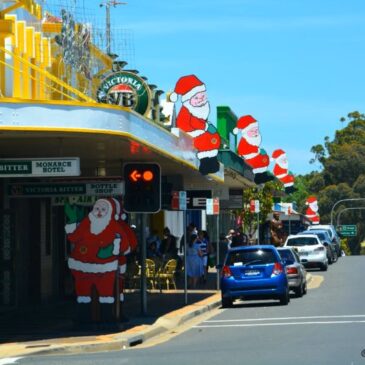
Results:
<point x="142" y="187"/>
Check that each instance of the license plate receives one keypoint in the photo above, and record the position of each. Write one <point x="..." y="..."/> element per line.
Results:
<point x="252" y="272"/>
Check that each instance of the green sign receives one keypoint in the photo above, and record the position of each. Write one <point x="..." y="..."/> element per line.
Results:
<point x="125" y="89"/>
<point x="349" y="230"/>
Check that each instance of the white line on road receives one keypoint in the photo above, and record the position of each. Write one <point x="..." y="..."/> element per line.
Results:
<point x="9" y="360"/>
<point x="285" y="318"/>
<point x="276" y="324"/>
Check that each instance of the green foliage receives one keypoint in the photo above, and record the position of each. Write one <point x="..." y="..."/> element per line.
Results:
<point x="342" y="176"/>
<point x="265" y="195"/>
<point x="345" y="247"/>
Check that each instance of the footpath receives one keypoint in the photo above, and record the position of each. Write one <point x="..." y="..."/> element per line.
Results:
<point x="51" y="330"/>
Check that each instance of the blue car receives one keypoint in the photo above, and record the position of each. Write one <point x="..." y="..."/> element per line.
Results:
<point x="253" y="272"/>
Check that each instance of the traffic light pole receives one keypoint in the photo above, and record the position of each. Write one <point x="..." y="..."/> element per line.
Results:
<point x="185" y="260"/>
<point x="143" y="265"/>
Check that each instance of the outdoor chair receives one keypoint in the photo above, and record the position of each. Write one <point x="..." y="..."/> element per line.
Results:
<point x="166" y="275"/>
<point x="151" y="272"/>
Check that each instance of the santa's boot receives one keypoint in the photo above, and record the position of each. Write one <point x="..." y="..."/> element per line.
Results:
<point x="263" y="177"/>
<point x="83" y="314"/>
<point x="208" y="165"/>
<point x="107" y="313"/>
<point x="290" y="190"/>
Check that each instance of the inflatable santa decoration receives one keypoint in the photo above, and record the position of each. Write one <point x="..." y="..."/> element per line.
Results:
<point x="312" y="210"/>
<point x="96" y="245"/>
<point x="248" y="148"/>
<point x="193" y="119"/>
<point x="281" y="171"/>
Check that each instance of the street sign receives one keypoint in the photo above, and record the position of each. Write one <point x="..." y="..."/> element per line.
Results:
<point x="349" y="230"/>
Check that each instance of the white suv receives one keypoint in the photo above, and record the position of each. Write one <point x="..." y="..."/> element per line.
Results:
<point x="332" y="232"/>
<point x="311" y="251"/>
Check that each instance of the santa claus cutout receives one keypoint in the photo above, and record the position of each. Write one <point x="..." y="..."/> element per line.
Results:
<point x="249" y="140"/>
<point x="193" y="119"/>
<point x="281" y="170"/>
<point x="97" y="243"/>
<point x="312" y="210"/>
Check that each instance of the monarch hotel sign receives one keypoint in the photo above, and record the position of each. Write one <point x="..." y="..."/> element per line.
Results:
<point x="125" y="89"/>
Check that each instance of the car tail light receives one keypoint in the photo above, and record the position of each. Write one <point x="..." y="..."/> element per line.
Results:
<point x="278" y="269"/>
<point x="319" y="249"/>
<point x="291" y="270"/>
<point x="226" y="272"/>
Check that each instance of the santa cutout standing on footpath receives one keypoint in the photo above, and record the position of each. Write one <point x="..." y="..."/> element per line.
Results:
<point x="97" y="243"/>
<point x="312" y="210"/>
<point x="248" y="132"/>
<point x="281" y="171"/>
<point x="193" y="119"/>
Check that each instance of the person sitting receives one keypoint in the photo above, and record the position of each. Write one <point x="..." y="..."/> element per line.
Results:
<point x="240" y="238"/>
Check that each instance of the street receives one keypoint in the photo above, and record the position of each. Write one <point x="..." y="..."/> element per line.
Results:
<point x="326" y="326"/>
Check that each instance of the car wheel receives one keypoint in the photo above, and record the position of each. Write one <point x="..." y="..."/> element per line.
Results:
<point x="227" y="302"/>
<point x="285" y="298"/>
<point x="299" y="291"/>
<point x="304" y="288"/>
<point x="324" y="267"/>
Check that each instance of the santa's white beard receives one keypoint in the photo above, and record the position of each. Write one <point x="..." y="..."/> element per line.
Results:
<point x="254" y="141"/>
<point x="97" y="225"/>
<point x="283" y="164"/>
<point x="314" y="207"/>
<point x="201" y="112"/>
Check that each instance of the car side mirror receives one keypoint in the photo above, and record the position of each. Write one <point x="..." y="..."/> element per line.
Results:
<point x="325" y="244"/>
<point x="303" y="261"/>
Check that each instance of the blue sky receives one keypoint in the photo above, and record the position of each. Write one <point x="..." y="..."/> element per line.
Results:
<point x="296" y="66"/>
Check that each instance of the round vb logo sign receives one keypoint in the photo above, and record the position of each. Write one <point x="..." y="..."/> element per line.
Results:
<point x="125" y="89"/>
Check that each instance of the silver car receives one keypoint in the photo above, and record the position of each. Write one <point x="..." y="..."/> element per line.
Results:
<point x="295" y="271"/>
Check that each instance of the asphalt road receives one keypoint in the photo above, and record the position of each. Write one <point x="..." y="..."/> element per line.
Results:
<point x="327" y="326"/>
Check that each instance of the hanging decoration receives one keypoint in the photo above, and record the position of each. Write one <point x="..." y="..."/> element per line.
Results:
<point x="248" y="132"/>
<point x="281" y="170"/>
<point x="312" y="210"/>
<point x="193" y="119"/>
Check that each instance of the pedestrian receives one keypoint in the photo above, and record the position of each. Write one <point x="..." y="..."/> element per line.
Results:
<point x="229" y="237"/>
<point x="190" y="229"/>
<point x="194" y="262"/>
<point x="240" y="238"/>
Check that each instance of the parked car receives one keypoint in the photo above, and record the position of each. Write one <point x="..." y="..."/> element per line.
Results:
<point x="311" y="251"/>
<point x="295" y="271"/>
<point x="335" y="238"/>
<point x="253" y="272"/>
<point x="325" y="238"/>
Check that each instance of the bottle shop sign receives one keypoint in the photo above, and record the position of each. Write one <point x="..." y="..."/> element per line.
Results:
<point x="125" y="89"/>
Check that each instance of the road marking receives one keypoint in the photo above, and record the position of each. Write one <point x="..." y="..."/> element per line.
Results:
<point x="277" y="324"/>
<point x="285" y="318"/>
<point x="9" y="360"/>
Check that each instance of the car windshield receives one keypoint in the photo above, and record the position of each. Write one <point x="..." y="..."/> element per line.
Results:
<point x="321" y="235"/>
<point x="302" y="241"/>
<point x="287" y="255"/>
<point x="247" y="257"/>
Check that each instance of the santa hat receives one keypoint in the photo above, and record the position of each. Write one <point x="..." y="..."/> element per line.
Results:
<point x="277" y="154"/>
<point x="310" y="200"/>
<point x="244" y="122"/>
<point x="187" y="87"/>
<point x="116" y="208"/>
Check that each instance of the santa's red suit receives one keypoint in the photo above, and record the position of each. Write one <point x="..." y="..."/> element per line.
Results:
<point x="94" y="259"/>
<point x="312" y="215"/>
<point x="206" y="143"/>
<point x="285" y="176"/>
<point x="255" y="157"/>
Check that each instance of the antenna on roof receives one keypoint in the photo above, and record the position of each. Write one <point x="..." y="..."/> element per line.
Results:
<point x="107" y="5"/>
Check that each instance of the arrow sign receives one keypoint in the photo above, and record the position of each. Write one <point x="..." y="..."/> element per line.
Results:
<point x="135" y="175"/>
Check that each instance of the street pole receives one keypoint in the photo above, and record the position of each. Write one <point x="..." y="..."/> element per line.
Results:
<point x="343" y="210"/>
<point x="185" y="261"/>
<point x="217" y="253"/>
<point x="143" y="265"/>
<point x="258" y="228"/>
<point x="343" y="200"/>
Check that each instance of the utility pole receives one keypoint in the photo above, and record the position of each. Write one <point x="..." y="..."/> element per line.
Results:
<point x="107" y="5"/>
